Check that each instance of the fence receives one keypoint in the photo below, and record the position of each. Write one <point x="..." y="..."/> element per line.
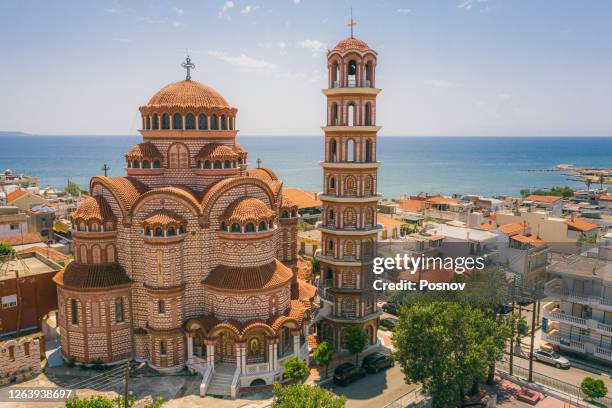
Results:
<point x="412" y="399"/>
<point x="553" y="383"/>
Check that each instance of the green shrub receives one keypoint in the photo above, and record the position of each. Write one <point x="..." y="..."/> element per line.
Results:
<point x="593" y="388"/>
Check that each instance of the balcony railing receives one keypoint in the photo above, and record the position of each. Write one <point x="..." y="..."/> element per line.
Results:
<point x="556" y="338"/>
<point x="563" y="317"/>
<point x="352" y="83"/>
<point x="603" y="353"/>
<point x="604" y="327"/>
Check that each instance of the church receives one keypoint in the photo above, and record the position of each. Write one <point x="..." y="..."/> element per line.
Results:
<point x="189" y="260"/>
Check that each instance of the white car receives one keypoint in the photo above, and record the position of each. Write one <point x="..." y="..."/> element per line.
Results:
<point x="551" y="357"/>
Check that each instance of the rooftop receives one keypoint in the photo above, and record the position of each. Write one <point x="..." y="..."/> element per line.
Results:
<point x="581" y="266"/>
<point x="29" y="264"/>
<point x="463" y="234"/>
<point x="304" y="199"/>
<point x="543" y="198"/>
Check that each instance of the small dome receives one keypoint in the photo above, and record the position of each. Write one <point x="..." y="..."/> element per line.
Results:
<point x="216" y="151"/>
<point x="93" y="208"/>
<point x="142" y="150"/>
<point x="248" y="209"/>
<point x="352" y="43"/>
<point x="187" y="93"/>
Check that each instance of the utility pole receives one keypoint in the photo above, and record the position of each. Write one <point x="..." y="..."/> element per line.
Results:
<point x="105" y="169"/>
<point x="533" y="320"/>
<point x="511" y="365"/>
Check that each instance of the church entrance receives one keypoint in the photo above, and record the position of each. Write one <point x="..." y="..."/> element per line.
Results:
<point x="225" y="348"/>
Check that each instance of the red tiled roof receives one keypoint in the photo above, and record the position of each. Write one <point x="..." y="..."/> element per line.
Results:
<point x="543" y="198"/>
<point x="351" y="43"/>
<point x="389" y="222"/>
<point x="441" y="200"/>
<point x="50" y="253"/>
<point x="250" y="278"/>
<point x="144" y="150"/>
<point x="580" y="224"/>
<point x="304" y="199"/>
<point x="605" y="197"/>
<point x="487" y="227"/>
<point x="93" y="208"/>
<point x="127" y="189"/>
<point x="305" y="291"/>
<point x="512" y="228"/>
<point x="493" y="217"/>
<point x="217" y="151"/>
<point x="187" y="94"/>
<point x="29" y="238"/>
<point x="92" y="276"/>
<point x="530" y="239"/>
<point x="163" y="217"/>
<point x="412" y="205"/>
<point x="247" y="209"/>
<point x="12" y="196"/>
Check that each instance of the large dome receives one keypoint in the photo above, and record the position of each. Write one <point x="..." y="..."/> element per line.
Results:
<point x="351" y="43"/>
<point x="187" y="93"/>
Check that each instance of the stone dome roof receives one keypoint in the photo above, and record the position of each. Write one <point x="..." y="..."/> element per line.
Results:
<point x="187" y="93"/>
<point x="351" y="43"/>
<point x="93" y="208"/>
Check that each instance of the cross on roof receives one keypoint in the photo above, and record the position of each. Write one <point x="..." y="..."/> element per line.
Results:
<point x="188" y="65"/>
<point x="352" y="24"/>
<point x="258" y="162"/>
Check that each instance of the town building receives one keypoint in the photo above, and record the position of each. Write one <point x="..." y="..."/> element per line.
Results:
<point x="349" y="226"/>
<point x="552" y="204"/>
<point x="24" y="199"/>
<point x="447" y="208"/>
<point x="309" y="206"/>
<point x="579" y="317"/>
<point x="13" y="223"/>
<point x="190" y="259"/>
<point x="10" y="181"/>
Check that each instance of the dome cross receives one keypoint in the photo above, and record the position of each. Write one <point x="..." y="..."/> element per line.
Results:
<point x="352" y="24"/>
<point x="188" y="65"/>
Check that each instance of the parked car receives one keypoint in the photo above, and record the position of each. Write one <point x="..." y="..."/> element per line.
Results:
<point x="375" y="362"/>
<point x="390" y="308"/>
<point x="505" y="308"/>
<point x="346" y="373"/>
<point x="388" y="323"/>
<point x="551" y="357"/>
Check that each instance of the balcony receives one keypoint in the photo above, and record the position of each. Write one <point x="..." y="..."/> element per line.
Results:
<point x="556" y="315"/>
<point x="555" y="337"/>
<point x="352" y="83"/>
<point x="556" y="290"/>
<point x="603" y="353"/>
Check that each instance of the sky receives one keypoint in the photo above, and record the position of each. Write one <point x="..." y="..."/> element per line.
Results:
<point x="446" y="67"/>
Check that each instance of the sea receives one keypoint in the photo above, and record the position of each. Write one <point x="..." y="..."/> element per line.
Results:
<point x="486" y="166"/>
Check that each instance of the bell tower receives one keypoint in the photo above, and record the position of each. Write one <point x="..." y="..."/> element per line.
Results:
<point x="348" y="227"/>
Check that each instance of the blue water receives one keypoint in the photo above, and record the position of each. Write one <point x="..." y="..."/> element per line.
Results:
<point x="477" y="165"/>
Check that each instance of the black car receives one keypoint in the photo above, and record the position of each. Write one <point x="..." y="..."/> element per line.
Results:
<point x="388" y="323"/>
<point x="375" y="362"/>
<point x="346" y="373"/>
<point x="390" y="308"/>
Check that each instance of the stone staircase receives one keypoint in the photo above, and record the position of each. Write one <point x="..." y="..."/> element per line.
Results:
<point x="221" y="381"/>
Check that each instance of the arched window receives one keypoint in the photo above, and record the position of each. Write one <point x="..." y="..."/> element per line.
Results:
<point x="110" y="253"/>
<point x="350" y="115"/>
<point x="227" y="165"/>
<point x="161" y="306"/>
<point x="147" y="231"/>
<point x="223" y="122"/>
<point x="331" y="215"/>
<point x="271" y="225"/>
<point x="349" y="248"/>
<point x="214" y="122"/>
<point x="330" y="245"/>
<point x="350" y="150"/>
<point x="335" y="75"/>
<point x="156" y="164"/>
<point x="165" y="121"/>
<point x="262" y="226"/>
<point x="74" y="311"/>
<point x="207" y="164"/>
<point x="294" y="213"/>
<point x="223" y="226"/>
<point x="285" y="214"/>
<point x="202" y="125"/>
<point x="236" y="227"/>
<point x="190" y="121"/>
<point x="148" y="123"/>
<point x="146" y="164"/>
<point x="368" y="151"/>
<point x="218" y="164"/>
<point x="181" y="230"/>
<point x="231" y="123"/>
<point x="119" y="310"/>
<point x="352" y="74"/>
<point x="334" y="115"/>
<point x="349" y="217"/>
<point x="171" y="232"/>
<point x="368" y="74"/>
<point x="159" y="232"/>
<point x="368" y="114"/>
<point x="155" y="121"/>
<point x="368" y="185"/>
<point x="135" y="164"/>
<point x="198" y="164"/>
<point x="333" y="150"/>
<point x="178" y="156"/>
<point x="177" y="121"/>
<point x="250" y="227"/>
<point x="332" y="182"/>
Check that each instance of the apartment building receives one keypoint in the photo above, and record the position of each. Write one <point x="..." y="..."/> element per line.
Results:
<point x="579" y="317"/>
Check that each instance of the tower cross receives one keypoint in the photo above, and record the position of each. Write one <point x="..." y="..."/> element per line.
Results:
<point x="258" y="162"/>
<point x="352" y="24"/>
<point x="188" y="65"/>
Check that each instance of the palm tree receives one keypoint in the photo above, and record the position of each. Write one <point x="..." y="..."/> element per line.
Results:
<point x="601" y="181"/>
<point x="588" y="182"/>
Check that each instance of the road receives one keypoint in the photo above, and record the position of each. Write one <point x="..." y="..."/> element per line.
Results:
<point x="375" y="390"/>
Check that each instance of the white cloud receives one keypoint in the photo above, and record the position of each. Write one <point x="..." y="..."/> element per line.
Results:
<point x="282" y="45"/>
<point x="296" y="1"/>
<point x="178" y="11"/>
<point x="469" y="4"/>
<point x="226" y="6"/>
<point x="248" y="9"/>
<point x="244" y="62"/>
<point x="404" y="10"/>
<point x="267" y="45"/>
<point x="315" y="46"/>
<point x="122" y="40"/>
<point x="177" y="24"/>
<point x="504" y="96"/>
<point x="151" y="20"/>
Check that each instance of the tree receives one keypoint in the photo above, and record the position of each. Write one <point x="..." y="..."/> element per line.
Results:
<point x="593" y="388"/>
<point x="601" y="180"/>
<point x="525" y="192"/>
<point x="72" y="188"/>
<point x="5" y="249"/>
<point x="305" y="396"/>
<point x="447" y="346"/>
<point x="356" y="340"/>
<point x="97" y="401"/>
<point x="295" y="368"/>
<point x="588" y="182"/>
<point x="324" y="355"/>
